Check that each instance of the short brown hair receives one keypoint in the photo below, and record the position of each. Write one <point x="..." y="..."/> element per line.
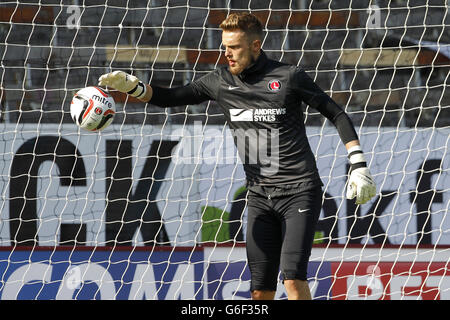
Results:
<point x="244" y="21"/>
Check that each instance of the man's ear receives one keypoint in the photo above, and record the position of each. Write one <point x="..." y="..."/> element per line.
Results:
<point x="256" y="45"/>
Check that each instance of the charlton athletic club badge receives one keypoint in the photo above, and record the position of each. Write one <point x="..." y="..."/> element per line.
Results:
<point x="274" y="85"/>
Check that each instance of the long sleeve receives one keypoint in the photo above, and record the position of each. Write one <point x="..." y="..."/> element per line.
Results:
<point x="198" y="91"/>
<point x="177" y="96"/>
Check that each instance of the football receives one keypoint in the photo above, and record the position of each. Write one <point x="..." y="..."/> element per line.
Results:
<point x="92" y="108"/>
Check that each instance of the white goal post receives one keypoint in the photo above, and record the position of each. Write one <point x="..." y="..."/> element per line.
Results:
<point x="154" y="206"/>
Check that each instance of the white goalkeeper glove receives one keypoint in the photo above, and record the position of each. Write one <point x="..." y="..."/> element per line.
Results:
<point x="123" y="82"/>
<point x="360" y="183"/>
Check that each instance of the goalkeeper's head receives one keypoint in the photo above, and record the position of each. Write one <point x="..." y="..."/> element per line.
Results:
<point x="242" y="38"/>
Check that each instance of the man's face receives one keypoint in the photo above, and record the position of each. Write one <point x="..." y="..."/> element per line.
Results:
<point x="239" y="51"/>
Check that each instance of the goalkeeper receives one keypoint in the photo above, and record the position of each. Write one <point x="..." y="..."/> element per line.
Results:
<point x="257" y="94"/>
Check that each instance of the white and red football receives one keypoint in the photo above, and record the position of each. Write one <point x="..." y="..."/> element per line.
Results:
<point x="92" y="108"/>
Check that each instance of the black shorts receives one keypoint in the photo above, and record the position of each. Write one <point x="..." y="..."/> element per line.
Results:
<point x="280" y="234"/>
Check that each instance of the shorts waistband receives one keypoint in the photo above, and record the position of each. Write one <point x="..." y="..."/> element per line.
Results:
<point x="284" y="190"/>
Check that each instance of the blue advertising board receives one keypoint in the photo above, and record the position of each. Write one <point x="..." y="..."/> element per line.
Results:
<point x="101" y="274"/>
<point x="132" y="274"/>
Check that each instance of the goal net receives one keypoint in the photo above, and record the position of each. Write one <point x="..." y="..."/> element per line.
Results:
<point x="154" y="206"/>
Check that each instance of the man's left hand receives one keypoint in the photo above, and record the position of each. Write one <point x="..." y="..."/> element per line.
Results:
<point x="361" y="185"/>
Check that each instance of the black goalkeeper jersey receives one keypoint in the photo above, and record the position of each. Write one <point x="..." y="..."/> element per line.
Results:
<point x="262" y="107"/>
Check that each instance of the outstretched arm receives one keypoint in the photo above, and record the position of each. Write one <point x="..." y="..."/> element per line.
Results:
<point x="161" y="97"/>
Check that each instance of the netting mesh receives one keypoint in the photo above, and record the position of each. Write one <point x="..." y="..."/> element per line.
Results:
<point x="171" y="177"/>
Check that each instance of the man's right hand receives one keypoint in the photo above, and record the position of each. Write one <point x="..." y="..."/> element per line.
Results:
<point x="123" y="82"/>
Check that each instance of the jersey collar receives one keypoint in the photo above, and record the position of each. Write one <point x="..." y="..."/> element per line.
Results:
<point x="256" y="67"/>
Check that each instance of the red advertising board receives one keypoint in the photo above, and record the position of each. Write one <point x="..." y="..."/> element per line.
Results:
<point x="390" y="280"/>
